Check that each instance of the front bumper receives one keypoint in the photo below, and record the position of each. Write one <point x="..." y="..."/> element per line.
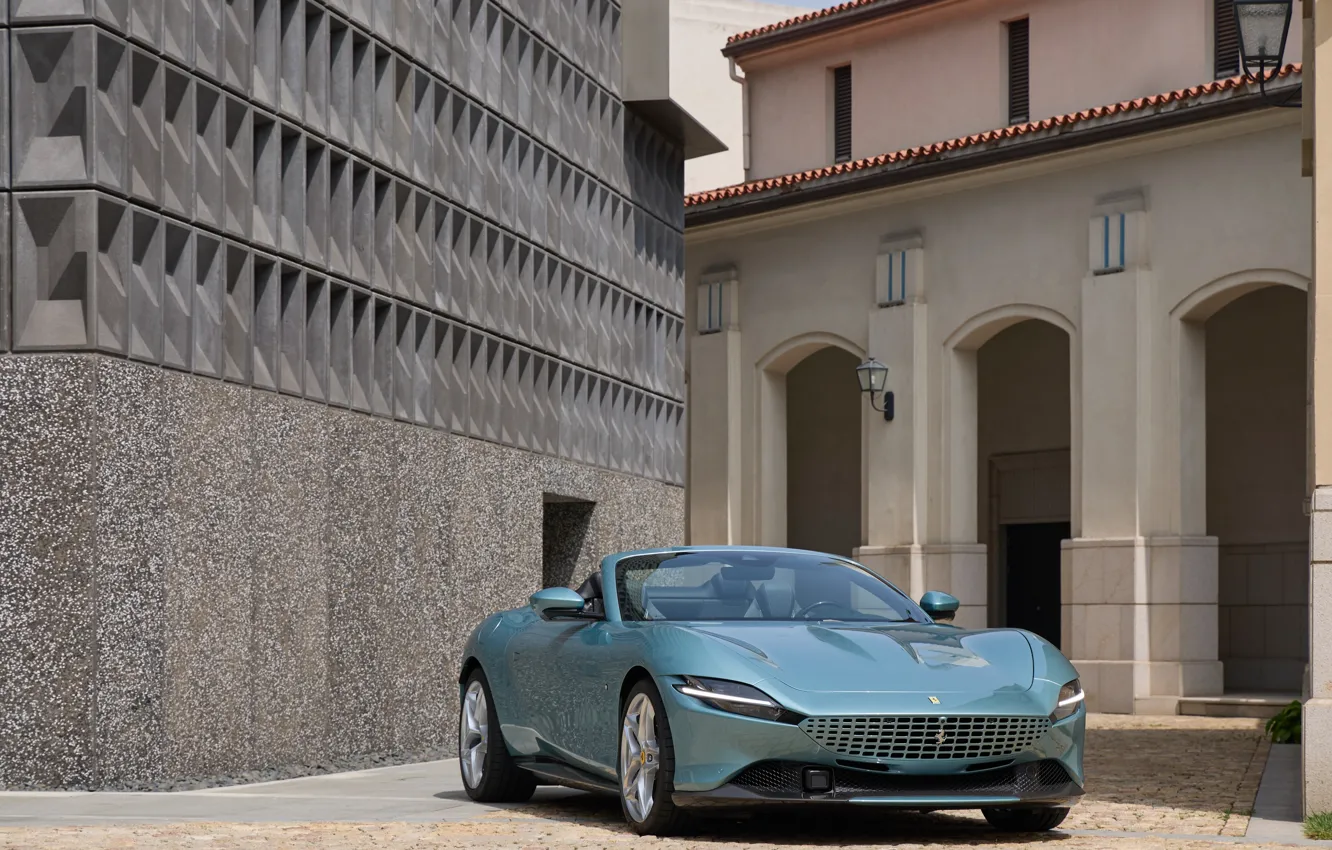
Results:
<point x="1036" y="783"/>
<point x="724" y="759"/>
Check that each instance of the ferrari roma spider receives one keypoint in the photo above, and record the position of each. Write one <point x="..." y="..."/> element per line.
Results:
<point x="694" y="678"/>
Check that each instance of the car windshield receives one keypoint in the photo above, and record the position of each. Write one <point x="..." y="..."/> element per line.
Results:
<point x="743" y="585"/>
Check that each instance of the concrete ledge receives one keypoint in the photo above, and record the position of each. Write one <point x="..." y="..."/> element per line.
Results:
<point x="1236" y="705"/>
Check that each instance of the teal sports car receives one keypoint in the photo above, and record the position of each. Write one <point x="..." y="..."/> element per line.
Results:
<point x="694" y="678"/>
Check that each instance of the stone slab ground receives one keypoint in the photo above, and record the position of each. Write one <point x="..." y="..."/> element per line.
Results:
<point x="1173" y="783"/>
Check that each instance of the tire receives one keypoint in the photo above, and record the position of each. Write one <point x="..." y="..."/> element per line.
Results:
<point x="500" y="780"/>
<point x="1025" y="820"/>
<point x="662" y="818"/>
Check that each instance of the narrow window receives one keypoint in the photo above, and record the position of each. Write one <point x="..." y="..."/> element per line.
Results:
<point x="710" y="308"/>
<point x="1019" y="72"/>
<point x="842" y="114"/>
<point x="1225" y="36"/>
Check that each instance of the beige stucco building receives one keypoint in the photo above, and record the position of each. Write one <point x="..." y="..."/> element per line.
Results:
<point x="700" y="78"/>
<point x="1095" y="319"/>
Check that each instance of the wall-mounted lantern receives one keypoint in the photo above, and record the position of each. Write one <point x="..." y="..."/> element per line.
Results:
<point x="1264" y="26"/>
<point x="873" y="377"/>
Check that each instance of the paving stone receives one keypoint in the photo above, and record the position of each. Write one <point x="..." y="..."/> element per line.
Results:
<point x="1178" y="779"/>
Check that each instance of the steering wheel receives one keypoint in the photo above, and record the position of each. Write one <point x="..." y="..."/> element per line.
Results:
<point x="800" y="615"/>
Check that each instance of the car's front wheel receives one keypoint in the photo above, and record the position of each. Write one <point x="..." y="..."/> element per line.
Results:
<point x="489" y="774"/>
<point x="647" y="764"/>
<point x="1025" y="820"/>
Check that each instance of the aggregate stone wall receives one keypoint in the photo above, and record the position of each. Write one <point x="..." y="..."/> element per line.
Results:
<point x="201" y="579"/>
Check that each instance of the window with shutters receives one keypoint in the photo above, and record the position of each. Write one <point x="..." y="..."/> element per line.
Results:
<point x="1019" y="71"/>
<point x="711" y="307"/>
<point x="1225" y="39"/>
<point x="842" y="114"/>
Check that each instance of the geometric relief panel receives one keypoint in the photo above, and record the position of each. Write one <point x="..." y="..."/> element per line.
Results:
<point x="73" y="87"/>
<point x="114" y="13"/>
<point x="237" y="313"/>
<point x="340" y="304"/>
<point x="317" y="339"/>
<point x="147" y="85"/>
<point x="178" y="143"/>
<point x="177" y="294"/>
<point x="53" y="249"/>
<point x="264" y="322"/>
<point x="207" y="155"/>
<point x="206" y="305"/>
<point x="497" y="192"/>
<point x="145" y="288"/>
<point x="291" y="352"/>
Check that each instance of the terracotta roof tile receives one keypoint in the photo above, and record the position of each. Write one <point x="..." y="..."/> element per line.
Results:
<point x="819" y="14"/>
<point x="909" y="154"/>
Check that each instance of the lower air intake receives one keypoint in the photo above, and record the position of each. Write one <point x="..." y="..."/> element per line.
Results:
<point x="770" y="779"/>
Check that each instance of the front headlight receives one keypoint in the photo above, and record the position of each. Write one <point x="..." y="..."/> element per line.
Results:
<point x="1070" y="700"/>
<point x="734" y="697"/>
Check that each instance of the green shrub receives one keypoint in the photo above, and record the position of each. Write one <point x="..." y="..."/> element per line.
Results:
<point x="1285" y="727"/>
<point x="1319" y="827"/>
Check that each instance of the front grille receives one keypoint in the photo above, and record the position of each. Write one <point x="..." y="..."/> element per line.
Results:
<point x="922" y="737"/>
<point x="784" y="779"/>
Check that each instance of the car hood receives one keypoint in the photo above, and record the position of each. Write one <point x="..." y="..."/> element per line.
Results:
<point x="870" y="658"/>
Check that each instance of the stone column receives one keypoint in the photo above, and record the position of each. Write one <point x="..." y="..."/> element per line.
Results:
<point x="1317" y="720"/>
<point x="897" y="452"/>
<point x="715" y="508"/>
<point x="1139" y="588"/>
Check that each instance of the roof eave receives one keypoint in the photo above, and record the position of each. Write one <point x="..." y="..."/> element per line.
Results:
<point x="818" y="26"/>
<point x="998" y="152"/>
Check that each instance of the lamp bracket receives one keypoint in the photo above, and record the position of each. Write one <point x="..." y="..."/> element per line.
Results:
<point x="889" y="405"/>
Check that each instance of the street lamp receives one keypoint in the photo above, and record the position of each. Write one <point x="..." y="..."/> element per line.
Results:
<point x="873" y="377"/>
<point x="1263" y="28"/>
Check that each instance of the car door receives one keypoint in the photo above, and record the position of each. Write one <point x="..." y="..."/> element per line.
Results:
<point x="543" y="698"/>
<point x="594" y="662"/>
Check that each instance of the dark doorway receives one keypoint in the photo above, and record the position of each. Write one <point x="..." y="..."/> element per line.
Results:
<point x="1031" y="559"/>
<point x="823" y="469"/>
<point x="564" y="526"/>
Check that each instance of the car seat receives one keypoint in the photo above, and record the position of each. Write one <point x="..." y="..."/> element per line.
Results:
<point x="776" y="600"/>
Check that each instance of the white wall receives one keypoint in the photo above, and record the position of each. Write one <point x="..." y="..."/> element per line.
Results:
<point x="701" y="81"/>
<point x="942" y="74"/>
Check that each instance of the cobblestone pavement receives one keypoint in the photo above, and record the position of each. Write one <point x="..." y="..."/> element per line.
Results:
<point x="1179" y="779"/>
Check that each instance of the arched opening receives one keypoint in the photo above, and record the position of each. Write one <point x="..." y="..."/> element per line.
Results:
<point x="810" y="450"/>
<point x="1255" y="419"/>
<point x="1011" y="400"/>
<point x="1023" y="472"/>
<point x="823" y="453"/>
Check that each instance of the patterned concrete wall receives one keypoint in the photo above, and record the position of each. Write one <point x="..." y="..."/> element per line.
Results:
<point x="437" y="211"/>
<point x="304" y="306"/>
<point x="200" y="579"/>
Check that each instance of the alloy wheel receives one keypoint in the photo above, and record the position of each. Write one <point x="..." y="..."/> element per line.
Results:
<point x="640" y="757"/>
<point x="474" y="734"/>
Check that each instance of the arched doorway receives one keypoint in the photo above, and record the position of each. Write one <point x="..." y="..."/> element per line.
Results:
<point x="809" y="491"/>
<point x="823" y="469"/>
<point x="1010" y="458"/>
<point x="1023" y="472"/>
<point x="1255" y="371"/>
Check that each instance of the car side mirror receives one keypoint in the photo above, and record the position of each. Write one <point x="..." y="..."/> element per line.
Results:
<point x="556" y="601"/>
<point x="940" y="606"/>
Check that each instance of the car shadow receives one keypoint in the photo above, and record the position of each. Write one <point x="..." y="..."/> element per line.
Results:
<point x="780" y="825"/>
